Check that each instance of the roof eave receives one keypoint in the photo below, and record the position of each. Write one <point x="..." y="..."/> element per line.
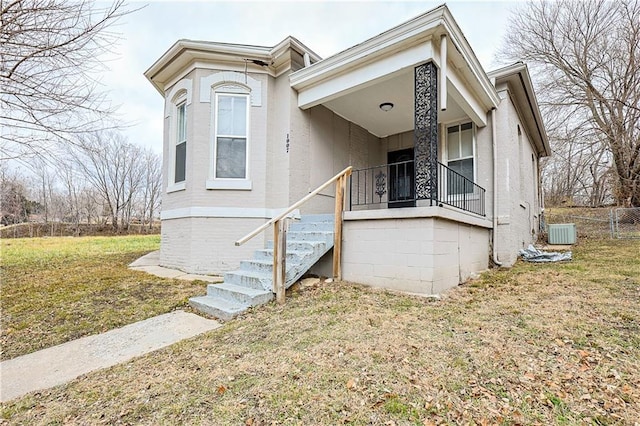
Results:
<point x="463" y="46"/>
<point x="521" y="69"/>
<point x="421" y="27"/>
<point x="356" y="55"/>
<point x="297" y="45"/>
<point x="201" y="48"/>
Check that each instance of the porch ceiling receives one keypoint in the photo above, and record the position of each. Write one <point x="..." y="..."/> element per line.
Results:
<point x="362" y="106"/>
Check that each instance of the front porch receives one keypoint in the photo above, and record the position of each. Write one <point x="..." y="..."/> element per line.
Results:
<point x="426" y="89"/>
<point x="416" y="210"/>
<point x="393" y="186"/>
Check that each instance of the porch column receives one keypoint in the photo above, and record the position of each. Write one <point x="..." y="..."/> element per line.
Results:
<point x="426" y="131"/>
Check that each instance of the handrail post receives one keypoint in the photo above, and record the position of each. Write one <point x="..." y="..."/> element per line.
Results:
<point x="279" y="258"/>
<point x="280" y="224"/>
<point x="341" y="185"/>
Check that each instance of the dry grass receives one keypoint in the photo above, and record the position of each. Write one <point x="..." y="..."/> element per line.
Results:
<point x="59" y="289"/>
<point x="537" y="344"/>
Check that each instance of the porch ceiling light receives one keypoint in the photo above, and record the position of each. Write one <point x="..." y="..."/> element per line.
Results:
<point x="386" y="106"/>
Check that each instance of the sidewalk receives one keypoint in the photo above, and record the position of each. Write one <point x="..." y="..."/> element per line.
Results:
<point x="63" y="363"/>
<point x="149" y="263"/>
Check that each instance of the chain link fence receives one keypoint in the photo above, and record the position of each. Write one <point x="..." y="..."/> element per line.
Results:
<point x="592" y="223"/>
<point x="625" y="222"/>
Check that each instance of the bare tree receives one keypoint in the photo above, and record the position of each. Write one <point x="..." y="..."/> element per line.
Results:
<point x="588" y="57"/>
<point x="113" y="167"/>
<point x="151" y="187"/>
<point x="14" y="204"/>
<point x="579" y="171"/>
<point x="44" y="188"/>
<point x="49" y="56"/>
<point x="73" y="185"/>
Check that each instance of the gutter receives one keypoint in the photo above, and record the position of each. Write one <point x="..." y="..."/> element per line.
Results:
<point x="535" y="115"/>
<point x="494" y="231"/>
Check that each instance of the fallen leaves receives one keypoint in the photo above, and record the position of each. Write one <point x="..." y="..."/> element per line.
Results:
<point x="351" y="384"/>
<point x="524" y="346"/>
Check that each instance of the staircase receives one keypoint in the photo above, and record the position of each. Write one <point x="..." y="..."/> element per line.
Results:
<point x="252" y="285"/>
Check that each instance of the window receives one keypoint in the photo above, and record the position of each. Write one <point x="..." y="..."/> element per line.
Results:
<point x="181" y="143"/>
<point x="177" y="107"/>
<point x="231" y="133"/>
<point x="460" y="158"/>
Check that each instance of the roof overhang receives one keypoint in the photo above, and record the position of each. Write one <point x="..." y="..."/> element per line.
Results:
<point x="185" y="53"/>
<point x="365" y="71"/>
<point x="518" y="79"/>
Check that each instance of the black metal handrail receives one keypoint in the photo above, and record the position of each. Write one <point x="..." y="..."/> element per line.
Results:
<point x="393" y="185"/>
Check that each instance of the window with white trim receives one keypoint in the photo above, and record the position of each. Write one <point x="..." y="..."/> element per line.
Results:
<point x="177" y="107"/>
<point x="180" y="163"/>
<point x="460" y="157"/>
<point x="231" y="145"/>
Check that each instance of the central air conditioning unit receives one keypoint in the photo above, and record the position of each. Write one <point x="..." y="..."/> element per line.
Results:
<point x="562" y="233"/>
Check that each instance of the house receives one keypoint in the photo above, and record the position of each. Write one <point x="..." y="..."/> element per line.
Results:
<point x="444" y="156"/>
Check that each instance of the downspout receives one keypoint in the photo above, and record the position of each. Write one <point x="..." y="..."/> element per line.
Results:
<point x="495" y="188"/>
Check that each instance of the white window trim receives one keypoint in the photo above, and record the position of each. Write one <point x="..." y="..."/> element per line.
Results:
<point x="213" y="182"/>
<point x="239" y="80"/>
<point x="172" y="185"/>
<point x="473" y="145"/>
<point x="180" y="186"/>
<point x="180" y="93"/>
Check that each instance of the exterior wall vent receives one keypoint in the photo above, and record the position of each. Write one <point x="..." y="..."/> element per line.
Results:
<point x="562" y="233"/>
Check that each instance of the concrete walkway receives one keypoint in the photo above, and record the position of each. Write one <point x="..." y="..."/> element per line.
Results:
<point x="150" y="263"/>
<point x="63" y="363"/>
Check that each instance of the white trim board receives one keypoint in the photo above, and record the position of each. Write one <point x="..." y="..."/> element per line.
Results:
<point x="444" y="212"/>
<point x="232" y="212"/>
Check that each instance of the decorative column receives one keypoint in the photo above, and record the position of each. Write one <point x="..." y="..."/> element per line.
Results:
<point x="426" y="131"/>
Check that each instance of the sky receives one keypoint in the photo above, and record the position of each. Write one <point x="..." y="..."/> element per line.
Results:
<point x="326" y="27"/>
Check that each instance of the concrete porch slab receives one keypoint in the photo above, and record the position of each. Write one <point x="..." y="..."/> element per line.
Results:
<point x="60" y="364"/>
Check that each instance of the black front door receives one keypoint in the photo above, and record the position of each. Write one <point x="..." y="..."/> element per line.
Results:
<point x="401" y="179"/>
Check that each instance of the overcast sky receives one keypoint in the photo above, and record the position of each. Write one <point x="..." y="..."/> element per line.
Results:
<point x="326" y="27"/>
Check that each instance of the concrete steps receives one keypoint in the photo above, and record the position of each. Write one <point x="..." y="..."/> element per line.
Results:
<point x="251" y="285"/>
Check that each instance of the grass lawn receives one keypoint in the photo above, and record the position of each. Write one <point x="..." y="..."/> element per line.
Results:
<point x="58" y="289"/>
<point x="536" y="344"/>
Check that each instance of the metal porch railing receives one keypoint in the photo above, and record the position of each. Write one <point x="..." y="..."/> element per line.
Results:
<point x="393" y="185"/>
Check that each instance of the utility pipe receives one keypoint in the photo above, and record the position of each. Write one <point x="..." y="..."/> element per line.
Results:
<point x="495" y="188"/>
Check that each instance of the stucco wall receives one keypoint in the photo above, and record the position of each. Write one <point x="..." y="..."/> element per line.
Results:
<point x="397" y="142"/>
<point x="199" y="152"/>
<point x="427" y="254"/>
<point x="484" y="171"/>
<point x="198" y="228"/>
<point x="518" y="204"/>
<point x="206" y="245"/>
<point x="325" y="144"/>
<point x="278" y="154"/>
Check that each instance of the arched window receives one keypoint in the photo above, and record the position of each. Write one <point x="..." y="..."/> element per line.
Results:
<point x="231" y="96"/>
<point x="178" y="100"/>
<point x="231" y="137"/>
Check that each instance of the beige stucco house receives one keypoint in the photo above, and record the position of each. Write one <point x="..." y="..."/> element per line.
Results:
<point x="445" y="156"/>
